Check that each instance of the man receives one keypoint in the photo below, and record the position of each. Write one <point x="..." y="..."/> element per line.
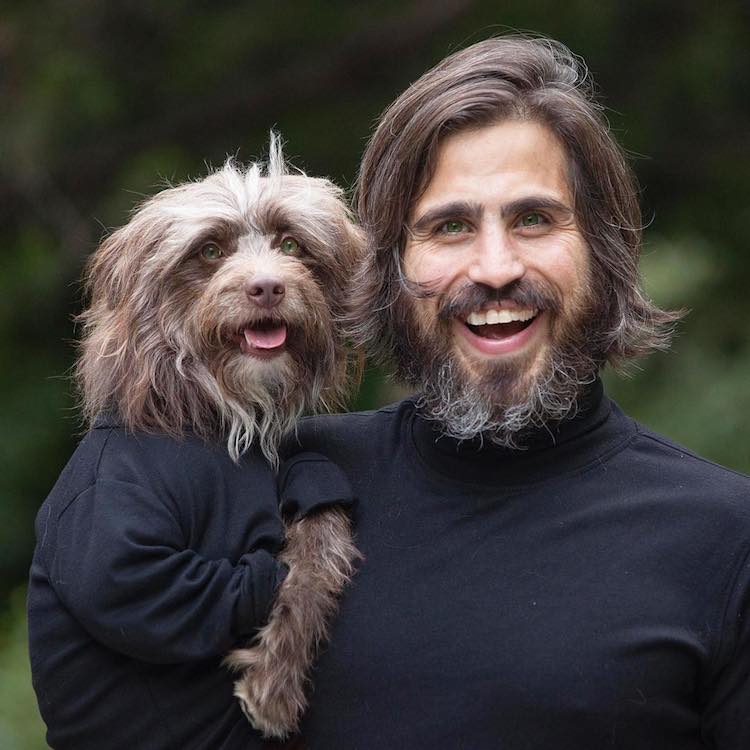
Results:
<point x="540" y="571"/>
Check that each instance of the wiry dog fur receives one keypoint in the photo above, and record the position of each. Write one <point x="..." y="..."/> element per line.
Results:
<point x="164" y="346"/>
<point x="321" y="558"/>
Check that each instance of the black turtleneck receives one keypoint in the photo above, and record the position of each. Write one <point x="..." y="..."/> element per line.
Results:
<point x="590" y="592"/>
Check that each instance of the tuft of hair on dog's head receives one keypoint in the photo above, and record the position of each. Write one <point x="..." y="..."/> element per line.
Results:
<point x="217" y="310"/>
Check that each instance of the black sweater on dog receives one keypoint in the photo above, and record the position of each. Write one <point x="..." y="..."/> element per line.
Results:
<point x="154" y="558"/>
<point x="592" y="592"/>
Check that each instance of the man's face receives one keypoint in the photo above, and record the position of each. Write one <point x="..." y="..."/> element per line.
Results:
<point x="494" y="243"/>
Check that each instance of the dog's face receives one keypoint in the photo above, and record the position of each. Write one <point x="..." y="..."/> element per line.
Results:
<point x="219" y="304"/>
<point x="247" y="276"/>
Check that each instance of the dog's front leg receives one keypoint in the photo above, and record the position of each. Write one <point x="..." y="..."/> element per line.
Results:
<point x="320" y="554"/>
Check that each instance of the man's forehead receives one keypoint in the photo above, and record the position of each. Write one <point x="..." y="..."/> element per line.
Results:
<point x="497" y="165"/>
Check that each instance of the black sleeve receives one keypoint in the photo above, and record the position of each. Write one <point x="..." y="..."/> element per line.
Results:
<point x="310" y="481"/>
<point x="726" y="724"/>
<point x="121" y="567"/>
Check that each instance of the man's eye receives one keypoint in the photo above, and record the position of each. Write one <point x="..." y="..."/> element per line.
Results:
<point x="454" y="226"/>
<point x="531" y="219"/>
<point x="211" y="251"/>
<point x="289" y="245"/>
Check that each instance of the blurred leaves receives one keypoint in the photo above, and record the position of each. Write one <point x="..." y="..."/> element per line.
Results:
<point x="21" y="727"/>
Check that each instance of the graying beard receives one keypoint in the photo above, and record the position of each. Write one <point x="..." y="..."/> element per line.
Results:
<point x="466" y="410"/>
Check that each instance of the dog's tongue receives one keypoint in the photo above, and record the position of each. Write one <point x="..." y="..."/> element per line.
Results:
<point x="265" y="338"/>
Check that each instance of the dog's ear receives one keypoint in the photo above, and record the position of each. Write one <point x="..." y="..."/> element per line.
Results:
<point x="346" y="243"/>
<point x="347" y="250"/>
<point x="352" y="242"/>
<point x="113" y="270"/>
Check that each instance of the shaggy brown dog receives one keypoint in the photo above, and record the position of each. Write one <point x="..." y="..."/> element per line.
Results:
<point x="216" y="311"/>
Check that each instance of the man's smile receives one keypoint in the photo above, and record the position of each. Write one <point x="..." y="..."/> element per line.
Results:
<point x="499" y="332"/>
<point x="498" y="323"/>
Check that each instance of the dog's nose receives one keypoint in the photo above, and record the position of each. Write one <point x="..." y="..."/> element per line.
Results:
<point x="265" y="292"/>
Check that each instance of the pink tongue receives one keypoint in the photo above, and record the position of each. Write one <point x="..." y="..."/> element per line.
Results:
<point x="267" y="338"/>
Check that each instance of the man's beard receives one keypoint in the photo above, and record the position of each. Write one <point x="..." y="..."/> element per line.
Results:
<point x="502" y="401"/>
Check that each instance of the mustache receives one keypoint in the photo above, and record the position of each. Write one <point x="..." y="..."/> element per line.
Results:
<point x="522" y="293"/>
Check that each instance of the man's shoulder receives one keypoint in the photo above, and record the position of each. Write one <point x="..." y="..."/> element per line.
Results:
<point x="355" y="430"/>
<point x="356" y="420"/>
<point x="681" y="457"/>
<point x="692" y="480"/>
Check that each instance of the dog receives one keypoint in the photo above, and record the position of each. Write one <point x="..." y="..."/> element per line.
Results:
<point x="217" y="311"/>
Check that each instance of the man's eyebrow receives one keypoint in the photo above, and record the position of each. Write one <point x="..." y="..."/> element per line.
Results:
<point x="466" y="209"/>
<point x="454" y="210"/>
<point x="534" y="203"/>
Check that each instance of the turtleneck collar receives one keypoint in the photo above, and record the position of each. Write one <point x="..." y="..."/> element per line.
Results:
<point x="598" y="428"/>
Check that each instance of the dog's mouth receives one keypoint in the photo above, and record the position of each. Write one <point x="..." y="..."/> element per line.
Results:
<point x="262" y="338"/>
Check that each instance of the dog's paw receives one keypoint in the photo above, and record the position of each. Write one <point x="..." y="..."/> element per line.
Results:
<point x="273" y="709"/>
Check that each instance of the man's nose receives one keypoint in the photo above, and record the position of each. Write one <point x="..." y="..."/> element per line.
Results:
<point x="265" y="292"/>
<point x="495" y="261"/>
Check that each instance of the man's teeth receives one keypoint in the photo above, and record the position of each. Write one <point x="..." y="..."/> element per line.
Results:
<point x="499" y="316"/>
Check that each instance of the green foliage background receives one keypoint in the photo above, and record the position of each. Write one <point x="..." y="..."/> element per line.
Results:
<point x="102" y="101"/>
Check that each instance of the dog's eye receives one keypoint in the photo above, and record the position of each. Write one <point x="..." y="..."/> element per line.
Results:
<point x="289" y="245"/>
<point x="211" y="251"/>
